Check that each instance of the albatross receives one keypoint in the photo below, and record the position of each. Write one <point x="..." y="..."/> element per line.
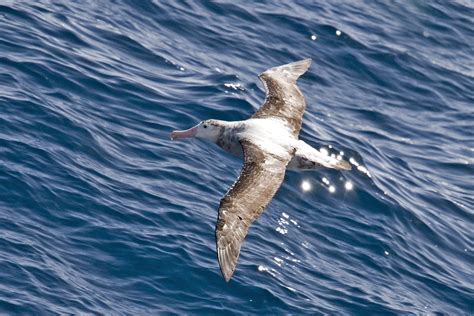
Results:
<point x="269" y="145"/>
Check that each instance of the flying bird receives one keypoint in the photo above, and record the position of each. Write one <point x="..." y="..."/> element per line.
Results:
<point x="268" y="142"/>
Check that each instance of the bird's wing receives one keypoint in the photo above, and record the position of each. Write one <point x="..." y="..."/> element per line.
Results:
<point x="260" y="178"/>
<point x="283" y="97"/>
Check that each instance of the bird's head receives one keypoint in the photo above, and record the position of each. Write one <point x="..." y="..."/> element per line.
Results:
<point x="208" y="129"/>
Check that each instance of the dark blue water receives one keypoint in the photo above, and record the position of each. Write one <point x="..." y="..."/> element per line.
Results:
<point x="101" y="213"/>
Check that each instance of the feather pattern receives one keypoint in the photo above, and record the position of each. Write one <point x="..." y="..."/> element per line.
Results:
<point x="283" y="97"/>
<point x="265" y="160"/>
<point x="259" y="180"/>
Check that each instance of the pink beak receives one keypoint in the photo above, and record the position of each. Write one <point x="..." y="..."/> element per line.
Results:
<point x="183" y="134"/>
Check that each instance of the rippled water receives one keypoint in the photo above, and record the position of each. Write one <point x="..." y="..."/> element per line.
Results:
<point x="100" y="212"/>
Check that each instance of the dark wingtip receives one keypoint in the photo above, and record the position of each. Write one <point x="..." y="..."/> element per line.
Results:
<point x="226" y="266"/>
<point x="227" y="275"/>
<point x="292" y="70"/>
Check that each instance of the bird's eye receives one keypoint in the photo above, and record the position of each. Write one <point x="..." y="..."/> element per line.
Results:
<point x="205" y="126"/>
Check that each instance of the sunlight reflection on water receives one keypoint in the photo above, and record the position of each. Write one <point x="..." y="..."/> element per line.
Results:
<point x="305" y="185"/>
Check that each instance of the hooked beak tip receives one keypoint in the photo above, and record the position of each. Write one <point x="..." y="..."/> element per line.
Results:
<point x="174" y="135"/>
<point x="183" y="134"/>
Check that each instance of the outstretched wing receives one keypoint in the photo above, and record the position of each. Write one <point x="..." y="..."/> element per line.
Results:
<point x="284" y="99"/>
<point x="260" y="178"/>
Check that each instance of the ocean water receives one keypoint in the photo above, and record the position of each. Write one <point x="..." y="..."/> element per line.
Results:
<point x="101" y="213"/>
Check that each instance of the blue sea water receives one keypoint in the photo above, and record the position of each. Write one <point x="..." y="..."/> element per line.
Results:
<point x="101" y="213"/>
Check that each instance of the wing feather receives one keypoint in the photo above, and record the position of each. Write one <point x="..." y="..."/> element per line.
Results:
<point x="259" y="180"/>
<point x="283" y="97"/>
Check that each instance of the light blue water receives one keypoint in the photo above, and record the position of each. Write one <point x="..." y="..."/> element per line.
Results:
<point x="101" y="213"/>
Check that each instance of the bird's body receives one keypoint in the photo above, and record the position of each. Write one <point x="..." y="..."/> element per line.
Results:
<point x="270" y="134"/>
<point x="273" y="135"/>
<point x="269" y="144"/>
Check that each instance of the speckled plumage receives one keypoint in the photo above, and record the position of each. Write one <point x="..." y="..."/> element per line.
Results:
<point x="264" y="166"/>
<point x="260" y="178"/>
<point x="269" y="144"/>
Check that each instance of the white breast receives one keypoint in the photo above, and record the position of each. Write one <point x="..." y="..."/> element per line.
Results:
<point x="270" y="134"/>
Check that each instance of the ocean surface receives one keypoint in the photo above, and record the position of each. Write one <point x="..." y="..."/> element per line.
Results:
<point x="101" y="213"/>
